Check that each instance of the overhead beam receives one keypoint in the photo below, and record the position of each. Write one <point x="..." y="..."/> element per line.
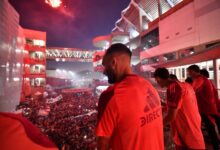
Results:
<point x="170" y="3"/>
<point x="129" y="22"/>
<point x="142" y="11"/>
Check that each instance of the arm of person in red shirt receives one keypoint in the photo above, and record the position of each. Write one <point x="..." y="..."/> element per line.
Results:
<point x="103" y="143"/>
<point x="173" y="101"/>
<point x="171" y="115"/>
<point x="106" y="125"/>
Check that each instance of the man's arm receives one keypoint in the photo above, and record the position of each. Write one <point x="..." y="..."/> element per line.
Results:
<point x="106" y="124"/>
<point x="174" y="93"/>
<point x="171" y="115"/>
<point x="103" y="143"/>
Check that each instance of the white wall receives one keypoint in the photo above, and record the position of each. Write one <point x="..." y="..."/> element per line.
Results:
<point x="11" y="57"/>
<point x="195" y="24"/>
<point x="208" y="20"/>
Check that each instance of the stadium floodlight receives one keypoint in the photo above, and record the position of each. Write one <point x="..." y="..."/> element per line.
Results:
<point x="72" y="73"/>
<point x="17" y="51"/>
<point x="134" y="33"/>
<point x="18" y="65"/>
<point x="58" y="70"/>
<point x="16" y="79"/>
<point x="191" y="52"/>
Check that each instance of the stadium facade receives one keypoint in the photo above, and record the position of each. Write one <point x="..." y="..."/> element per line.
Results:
<point x="169" y="33"/>
<point x="34" y="76"/>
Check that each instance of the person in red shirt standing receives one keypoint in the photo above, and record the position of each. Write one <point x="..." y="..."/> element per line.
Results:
<point x="181" y="102"/>
<point x="206" y="102"/>
<point x="205" y="73"/>
<point x="129" y="111"/>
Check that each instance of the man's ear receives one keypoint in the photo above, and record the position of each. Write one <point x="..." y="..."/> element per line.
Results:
<point x="114" y="62"/>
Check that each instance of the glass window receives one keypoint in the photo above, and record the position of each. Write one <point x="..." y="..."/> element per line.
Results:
<point x="144" y="61"/>
<point x="29" y="41"/>
<point x="218" y="75"/>
<point x="154" y="60"/>
<point x="37" y="82"/>
<point x="39" y="42"/>
<point x="150" y="40"/>
<point x="170" y="56"/>
<point x="187" y="52"/>
<point x="183" y="73"/>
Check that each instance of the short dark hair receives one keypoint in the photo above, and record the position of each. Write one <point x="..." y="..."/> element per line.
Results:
<point x="194" y="68"/>
<point x="189" y="80"/>
<point x="205" y="73"/>
<point x="118" y="48"/>
<point x="162" y="73"/>
<point x="173" y="76"/>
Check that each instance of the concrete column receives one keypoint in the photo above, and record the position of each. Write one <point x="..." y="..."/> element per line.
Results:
<point x="159" y="8"/>
<point x="216" y="73"/>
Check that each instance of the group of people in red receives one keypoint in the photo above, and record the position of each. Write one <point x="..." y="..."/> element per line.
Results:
<point x="130" y="114"/>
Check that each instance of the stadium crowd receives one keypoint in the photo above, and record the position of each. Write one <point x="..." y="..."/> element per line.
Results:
<point x="69" y="123"/>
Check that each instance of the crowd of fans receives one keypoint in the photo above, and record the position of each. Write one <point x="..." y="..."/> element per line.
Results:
<point x="69" y="122"/>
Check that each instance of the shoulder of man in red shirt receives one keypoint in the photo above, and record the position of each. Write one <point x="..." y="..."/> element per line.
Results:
<point x="203" y="87"/>
<point x="117" y="89"/>
<point x="215" y="91"/>
<point x="104" y="98"/>
<point x="205" y="95"/>
<point x="198" y="82"/>
<point x="174" y="93"/>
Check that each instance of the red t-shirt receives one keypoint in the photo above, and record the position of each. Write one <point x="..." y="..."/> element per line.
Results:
<point x="186" y="128"/>
<point x="205" y="95"/>
<point x="215" y="91"/>
<point x="130" y="114"/>
<point x="20" y="134"/>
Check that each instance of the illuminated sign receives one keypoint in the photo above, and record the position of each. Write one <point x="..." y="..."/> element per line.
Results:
<point x="70" y="54"/>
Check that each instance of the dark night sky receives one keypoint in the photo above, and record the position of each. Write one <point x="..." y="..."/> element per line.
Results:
<point x="74" y="24"/>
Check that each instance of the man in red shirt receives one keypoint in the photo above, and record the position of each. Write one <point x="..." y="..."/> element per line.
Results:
<point x="181" y="102"/>
<point x="206" y="102"/>
<point x="205" y="73"/>
<point x="129" y="111"/>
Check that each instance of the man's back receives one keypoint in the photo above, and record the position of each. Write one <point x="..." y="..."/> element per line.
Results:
<point x="132" y="115"/>
<point x="186" y="129"/>
<point x="205" y="96"/>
